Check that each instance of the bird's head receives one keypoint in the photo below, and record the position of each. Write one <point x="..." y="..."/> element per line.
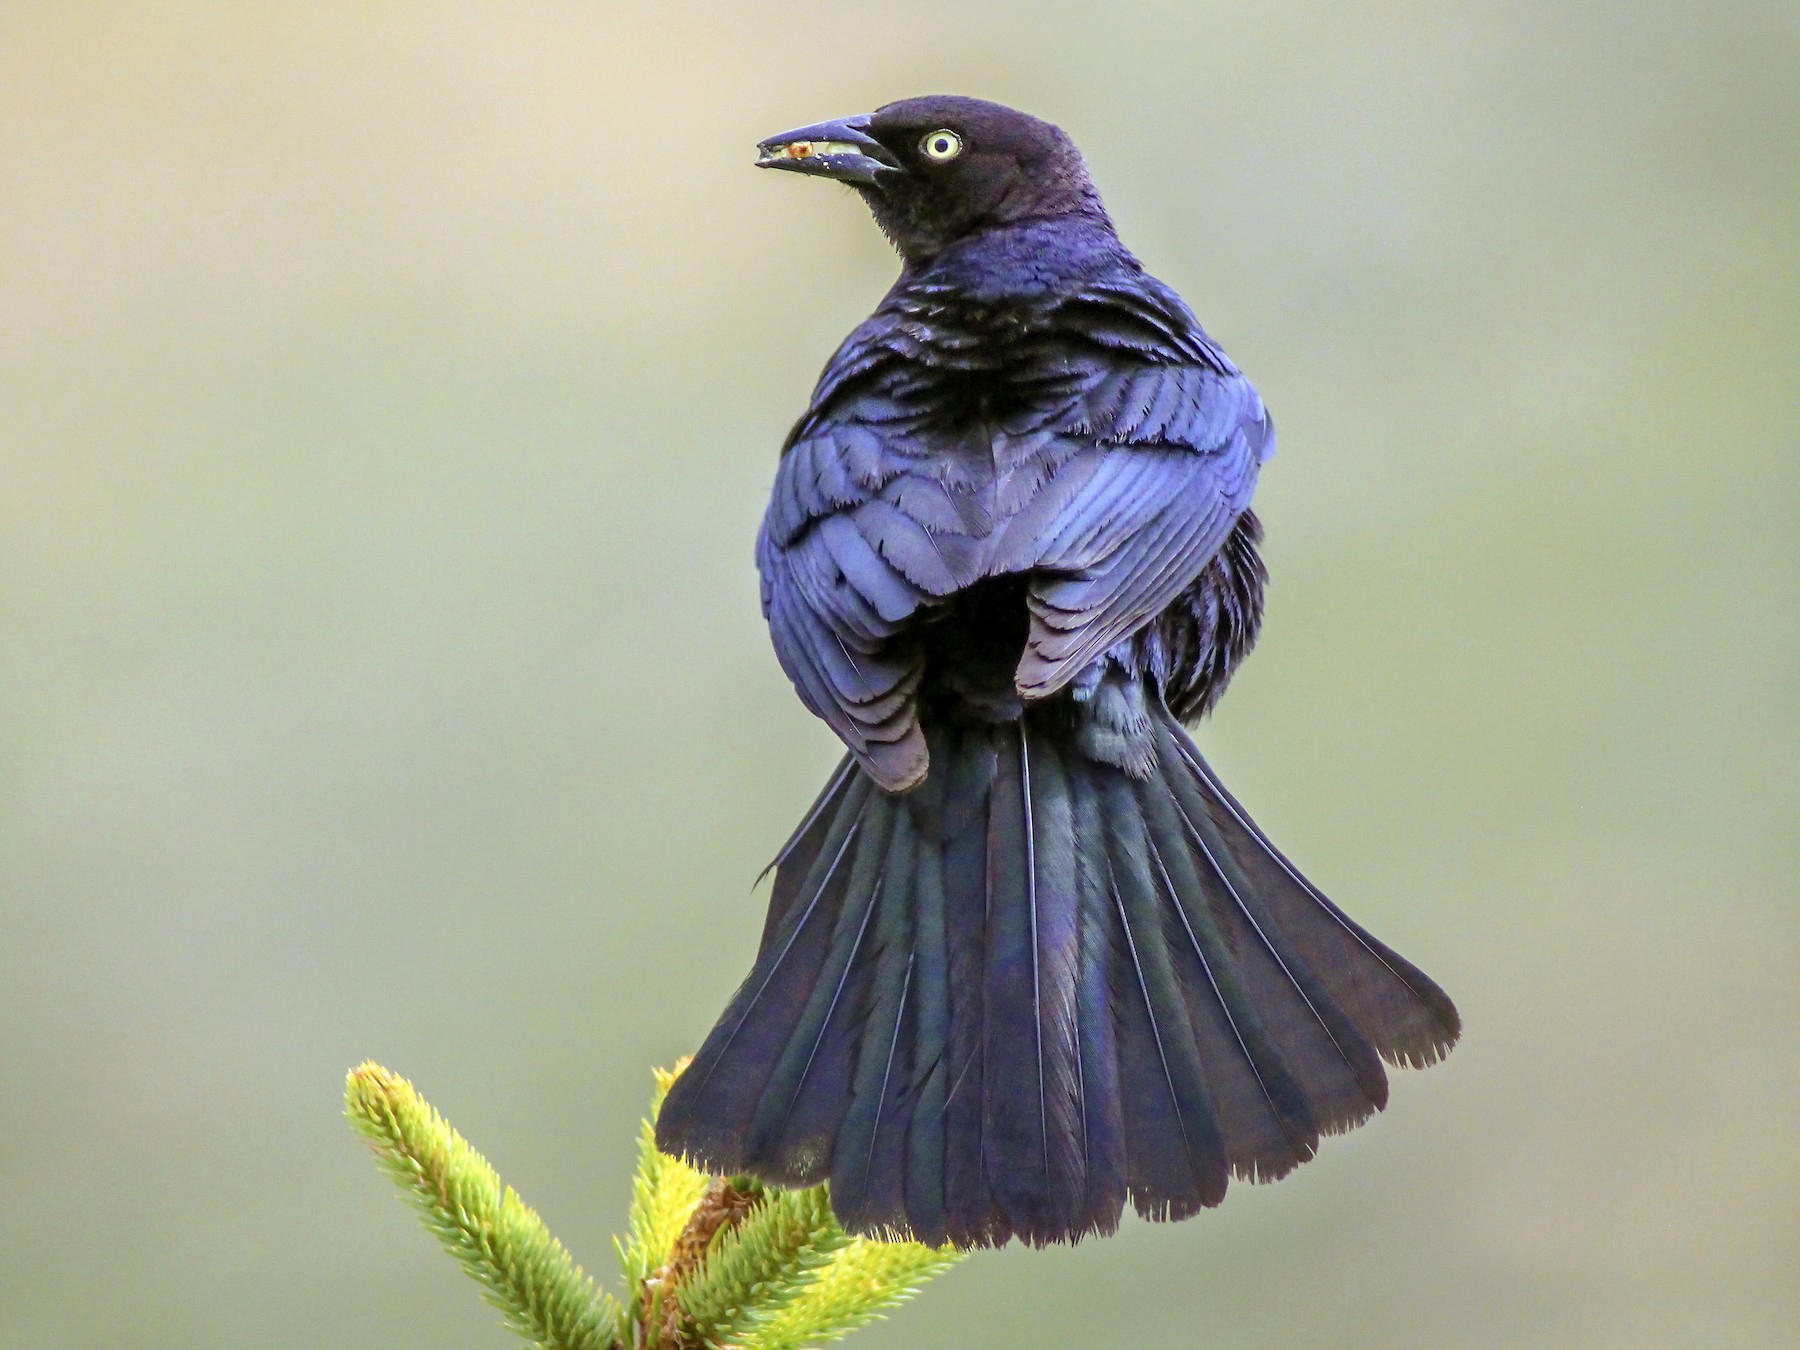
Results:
<point x="938" y="168"/>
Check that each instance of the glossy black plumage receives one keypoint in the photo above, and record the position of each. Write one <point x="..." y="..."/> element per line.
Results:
<point x="1025" y="957"/>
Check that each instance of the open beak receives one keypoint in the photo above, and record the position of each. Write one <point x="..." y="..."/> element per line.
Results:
<point x="843" y="150"/>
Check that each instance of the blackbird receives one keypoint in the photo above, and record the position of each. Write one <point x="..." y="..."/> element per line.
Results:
<point x="1026" y="957"/>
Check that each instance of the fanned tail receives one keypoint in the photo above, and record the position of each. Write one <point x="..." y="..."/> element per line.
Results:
<point x="998" y="1006"/>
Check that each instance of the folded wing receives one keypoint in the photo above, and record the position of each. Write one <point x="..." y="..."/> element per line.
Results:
<point x="1115" y="491"/>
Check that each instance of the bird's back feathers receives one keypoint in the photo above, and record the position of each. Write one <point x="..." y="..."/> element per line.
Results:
<point x="1088" y="435"/>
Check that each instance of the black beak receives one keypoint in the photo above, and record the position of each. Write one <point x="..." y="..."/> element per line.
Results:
<point x="843" y="150"/>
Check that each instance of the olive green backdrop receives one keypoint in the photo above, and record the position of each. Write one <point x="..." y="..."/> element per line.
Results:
<point x="388" y="395"/>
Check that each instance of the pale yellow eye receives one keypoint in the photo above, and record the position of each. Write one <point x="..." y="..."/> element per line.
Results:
<point x="941" y="145"/>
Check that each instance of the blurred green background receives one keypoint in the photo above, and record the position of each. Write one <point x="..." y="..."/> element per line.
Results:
<point x="388" y="396"/>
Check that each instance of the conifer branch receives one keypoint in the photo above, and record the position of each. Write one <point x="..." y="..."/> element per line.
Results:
<point x="709" y="1262"/>
<point x="664" y="1194"/>
<point x="760" y="1264"/>
<point x="863" y="1281"/>
<point x="499" y="1239"/>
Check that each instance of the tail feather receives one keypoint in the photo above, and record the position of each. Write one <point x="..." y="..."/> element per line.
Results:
<point x="1030" y="1105"/>
<point x="1264" y="1114"/>
<point x="970" y="1215"/>
<point x="1102" y="1096"/>
<point x="867" y="1162"/>
<point x="1338" y="1069"/>
<point x="1037" y="986"/>
<point x="794" y="863"/>
<point x="724" y="1083"/>
<point x="929" y="1076"/>
<point x="1408" y="1017"/>
<point x="1056" y="900"/>
<point x="792" y="1133"/>
<point x="1174" y="1153"/>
